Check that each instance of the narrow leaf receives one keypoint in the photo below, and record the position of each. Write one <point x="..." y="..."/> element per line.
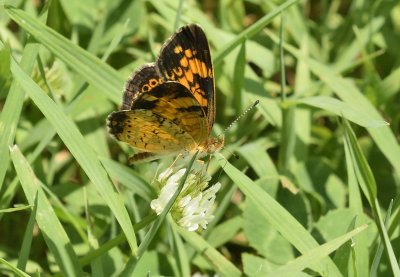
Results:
<point x="314" y="255"/>
<point x="80" y="149"/>
<point x="56" y="238"/>
<point x="278" y="217"/>
<point x="92" y="69"/>
<point x="341" y="108"/>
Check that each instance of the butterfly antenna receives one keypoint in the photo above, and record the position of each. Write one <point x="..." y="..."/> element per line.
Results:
<point x="236" y="120"/>
<point x="239" y="117"/>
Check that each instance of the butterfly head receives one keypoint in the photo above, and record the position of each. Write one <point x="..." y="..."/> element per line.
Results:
<point x="214" y="144"/>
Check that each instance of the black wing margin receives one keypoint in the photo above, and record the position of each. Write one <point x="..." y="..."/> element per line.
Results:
<point x="186" y="58"/>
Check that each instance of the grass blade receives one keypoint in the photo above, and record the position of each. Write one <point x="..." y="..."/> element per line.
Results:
<point x="16" y="271"/>
<point x="178" y="250"/>
<point x="341" y="108"/>
<point x="12" y="108"/>
<point x="350" y="94"/>
<point x="379" y="251"/>
<point x="367" y="181"/>
<point x="156" y="225"/>
<point x="97" y="73"/>
<point x="27" y="241"/>
<point x="53" y="232"/>
<point x="296" y="266"/>
<point x="279" y="218"/>
<point x="223" y="266"/>
<point x="80" y="149"/>
<point x="250" y="32"/>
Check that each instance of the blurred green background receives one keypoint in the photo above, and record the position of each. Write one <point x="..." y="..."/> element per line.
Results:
<point x="323" y="143"/>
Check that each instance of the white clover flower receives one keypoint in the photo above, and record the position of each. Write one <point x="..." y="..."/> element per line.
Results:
<point x="194" y="205"/>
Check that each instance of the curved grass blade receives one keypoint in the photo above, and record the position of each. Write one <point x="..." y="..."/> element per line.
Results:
<point x="250" y="32"/>
<point x="156" y="225"/>
<point x="16" y="271"/>
<point x="80" y="149"/>
<point x="350" y="94"/>
<point x="128" y="178"/>
<point x="296" y="266"/>
<point x="92" y="69"/>
<point x="154" y="228"/>
<point x="365" y="176"/>
<point x="54" y="234"/>
<point x="378" y="254"/>
<point x="178" y="250"/>
<point x="12" y="108"/>
<point x="278" y="217"/>
<point x="341" y="108"/>
<point x="28" y="235"/>
<point x="222" y="265"/>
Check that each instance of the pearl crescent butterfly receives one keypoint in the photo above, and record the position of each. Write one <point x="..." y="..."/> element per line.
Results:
<point x="169" y="105"/>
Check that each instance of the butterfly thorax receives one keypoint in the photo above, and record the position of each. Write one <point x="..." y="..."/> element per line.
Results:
<point x="213" y="145"/>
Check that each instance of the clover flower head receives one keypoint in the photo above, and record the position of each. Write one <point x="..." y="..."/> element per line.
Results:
<point x="194" y="205"/>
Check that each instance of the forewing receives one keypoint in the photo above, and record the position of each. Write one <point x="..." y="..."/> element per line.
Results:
<point x="186" y="58"/>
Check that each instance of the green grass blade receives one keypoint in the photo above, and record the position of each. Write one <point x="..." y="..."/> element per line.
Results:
<point x="5" y="73"/>
<point x="391" y="84"/>
<point x="363" y="171"/>
<point x="27" y="241"/>
<point x="278" y="217"/>
<point x="178" y="250"/>
<point x="12" y="108"/>
<point x="114" y="242"/>
<point x="365" y="176"/>
<point x="160" y="219"/>
<point x="341" y="108"/>
<point x="92" y="69"/>
<point x="378" y="254"/>
<point x="11" y="210"/>
<point x="115" y="41"/>
<point x="221" y="265"/>
<point x="359" y="252"/>
<point x="225" y="232"/>
<point x="53" y="232"/>
<point x="351" y="95"/>
<point x="131" y="264"/>
<point x="238" y="78"/>
<point x="80" y="149"/>
<point x="128" y="178"/>
<point x="16" y="271"/>
<point x="296" y="266"/>
<point x="250" y="32"/>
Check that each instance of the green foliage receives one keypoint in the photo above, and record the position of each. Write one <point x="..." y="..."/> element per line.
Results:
<point x="311" y="193"/>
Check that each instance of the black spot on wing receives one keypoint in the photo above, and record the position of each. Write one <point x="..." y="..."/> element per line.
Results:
<point x="192" y="109"/>
<point x="168" y="90"/>
<point x="171" y="89"/>
<point x="116" y="121"/>
<point x="144" y="104"/>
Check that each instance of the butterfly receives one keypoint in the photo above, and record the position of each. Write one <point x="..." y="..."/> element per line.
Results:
<point x="169" y="105"/>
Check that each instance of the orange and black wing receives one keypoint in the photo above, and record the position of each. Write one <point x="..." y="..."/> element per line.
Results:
<point x="185" y="58"/>
<point x="143" y="80"/>
<point x="165" y="120"/>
